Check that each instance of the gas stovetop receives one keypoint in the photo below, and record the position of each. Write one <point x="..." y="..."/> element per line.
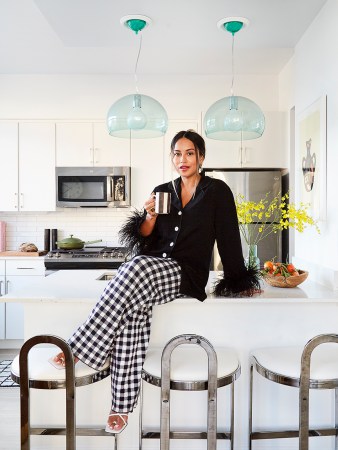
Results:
<point x="86" y="258"/>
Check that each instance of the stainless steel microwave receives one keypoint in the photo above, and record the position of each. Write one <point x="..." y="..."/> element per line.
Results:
<point x="92" y="187"/>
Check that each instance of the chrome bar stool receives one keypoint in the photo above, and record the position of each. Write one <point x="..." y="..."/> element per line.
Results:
<point x="31" y="369"/>
<point x="297" y="367"/>
<point x="186" y="372"/>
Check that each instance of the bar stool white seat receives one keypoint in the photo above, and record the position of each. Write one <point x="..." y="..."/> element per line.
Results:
<point x="298" y="367"/>
<point x="185" y="370"/>
<point x="31" y="369"/>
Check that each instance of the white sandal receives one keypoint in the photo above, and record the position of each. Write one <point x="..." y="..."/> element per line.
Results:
<point x="58" y="365"/>
<point x="108" y="429"/>
<point x="61" y="362"/>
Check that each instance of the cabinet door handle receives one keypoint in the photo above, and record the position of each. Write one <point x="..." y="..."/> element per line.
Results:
<point x="240" y="156"/>
<point x="244" y="155"/>
<point x="96" y="153"/>
<point x="91" y="155"/>
<point x="25" y="268"/>
<point x="16" y="200"/>
<point x="7" y="286"/>
<point x="109" y="189"/>
<point x="1" y="284"/>
<point x="21" y="201"/>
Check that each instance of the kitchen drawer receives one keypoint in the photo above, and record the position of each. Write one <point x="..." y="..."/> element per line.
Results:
<point x="2" y="320"/>
<point x="2" y="267"/>
<point x="25" y="267"/>
<point x="14" y="321"/>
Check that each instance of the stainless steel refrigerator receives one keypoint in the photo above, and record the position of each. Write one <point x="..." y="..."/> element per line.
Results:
<point x="254" y="184"/>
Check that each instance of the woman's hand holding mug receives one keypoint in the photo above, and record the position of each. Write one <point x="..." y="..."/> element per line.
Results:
<point x="158" y="203"/>
<point x="149" y="206"/>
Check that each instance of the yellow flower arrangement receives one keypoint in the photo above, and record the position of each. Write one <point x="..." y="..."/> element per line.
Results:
<point x="270" y="217"/>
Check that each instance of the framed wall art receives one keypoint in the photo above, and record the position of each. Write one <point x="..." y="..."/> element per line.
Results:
<point x="311" y="158"/>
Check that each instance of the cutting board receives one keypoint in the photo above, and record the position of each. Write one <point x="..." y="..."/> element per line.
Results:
<point x="17" y="253"/>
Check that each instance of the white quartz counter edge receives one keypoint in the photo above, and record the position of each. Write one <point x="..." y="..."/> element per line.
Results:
<point x="83" y="286"/>
<point x="31" y="258"/>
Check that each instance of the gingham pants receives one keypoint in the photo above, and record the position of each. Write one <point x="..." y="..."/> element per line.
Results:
<point x="119" y="325"/>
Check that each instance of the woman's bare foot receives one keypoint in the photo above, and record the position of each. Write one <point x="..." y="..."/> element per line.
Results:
<point x="60" y="361"/>
<point x="116" y="422"/>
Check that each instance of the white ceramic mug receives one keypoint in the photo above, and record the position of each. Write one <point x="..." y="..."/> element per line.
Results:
<point x="162" y="202"/>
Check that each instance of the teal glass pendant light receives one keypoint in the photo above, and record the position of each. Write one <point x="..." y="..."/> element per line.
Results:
<point x="137" y="115"/>
<point x="234" y="118"/>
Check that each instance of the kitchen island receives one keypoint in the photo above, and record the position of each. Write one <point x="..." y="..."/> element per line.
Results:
<point x="58" y="303"/>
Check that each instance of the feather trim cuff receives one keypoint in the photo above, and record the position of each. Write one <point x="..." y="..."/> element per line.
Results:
<point x="129" y="234"/>
<point x="245" y="284"/>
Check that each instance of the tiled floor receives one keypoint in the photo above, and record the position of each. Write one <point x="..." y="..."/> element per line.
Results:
<point x="10" y="409"/>
<point x="6" y="358"/>
<point x="5" y="374"/>
<point x="10" y="418"/>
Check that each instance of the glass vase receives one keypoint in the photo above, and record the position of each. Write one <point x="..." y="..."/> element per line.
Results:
<point x="252" y="259"/>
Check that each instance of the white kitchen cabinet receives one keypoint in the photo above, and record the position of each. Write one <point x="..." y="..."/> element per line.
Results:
<point x="2" y="313"/>
<point x="85" y="144"/>
<point x="17" y="274"/>
<point x="36" y="167"/>
<point x="2" y="305"/>
<point x="147" y="169"/>
<point x="27" y="180"/>
<point x="268" y="151"/>
<point x="9" y="157"/>
<point x="109" y="150"/>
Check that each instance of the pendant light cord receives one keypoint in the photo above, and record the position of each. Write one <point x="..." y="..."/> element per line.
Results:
<point x="232" y="64"/>
<point x="136" y="64"/>
<point x="232" y="91"/>
<point x="232" y="86"/>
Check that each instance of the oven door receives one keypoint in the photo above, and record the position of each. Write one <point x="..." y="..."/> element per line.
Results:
<point x="83" y="190"/>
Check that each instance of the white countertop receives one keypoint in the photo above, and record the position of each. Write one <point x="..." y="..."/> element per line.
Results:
<point x="31" y="258"/>
<point x="85" y="286"/>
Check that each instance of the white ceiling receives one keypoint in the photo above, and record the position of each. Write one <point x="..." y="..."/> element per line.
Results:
<point x="85" y="36"/>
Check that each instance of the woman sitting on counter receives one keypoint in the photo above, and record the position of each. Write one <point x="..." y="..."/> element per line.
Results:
<point x="173" y="253"/>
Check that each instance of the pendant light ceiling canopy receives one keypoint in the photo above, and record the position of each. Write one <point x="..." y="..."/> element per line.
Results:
<point x="234" y="118"/>
<point x="137" y="115"/>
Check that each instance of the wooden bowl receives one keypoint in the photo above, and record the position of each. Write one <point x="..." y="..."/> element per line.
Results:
<point x="289" y="282"/>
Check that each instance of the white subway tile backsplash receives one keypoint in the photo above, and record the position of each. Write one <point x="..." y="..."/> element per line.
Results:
<point x="30" y="218"/>
<point x="25" y="228"/>
<point x="86" y="224"/>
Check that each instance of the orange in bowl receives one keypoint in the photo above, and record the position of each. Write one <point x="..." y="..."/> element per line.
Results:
<point x="286" y="282"/>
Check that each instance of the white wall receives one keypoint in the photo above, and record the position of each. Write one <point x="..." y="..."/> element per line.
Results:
<point x="313" y="73"/>
<point x="89" y="97"/>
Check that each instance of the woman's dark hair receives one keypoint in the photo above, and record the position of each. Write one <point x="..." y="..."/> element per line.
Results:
<point x="194" y="137"/>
